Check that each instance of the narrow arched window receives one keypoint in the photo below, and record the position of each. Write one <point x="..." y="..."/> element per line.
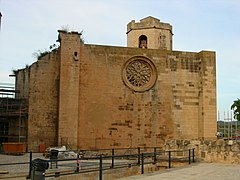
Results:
<point x="142" y="41"/>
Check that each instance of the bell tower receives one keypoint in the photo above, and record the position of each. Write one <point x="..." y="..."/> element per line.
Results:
<point x="149" y="33"/>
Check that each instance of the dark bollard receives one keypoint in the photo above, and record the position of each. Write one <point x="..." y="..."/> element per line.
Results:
<point x="54" y="158"/>
<point x="39" y="166"/>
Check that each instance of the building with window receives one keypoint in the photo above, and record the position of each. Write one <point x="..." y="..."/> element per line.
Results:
<point x="95" y="96"/>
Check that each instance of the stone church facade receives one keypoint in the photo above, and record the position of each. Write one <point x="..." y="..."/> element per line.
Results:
<point x="95" y="96"/>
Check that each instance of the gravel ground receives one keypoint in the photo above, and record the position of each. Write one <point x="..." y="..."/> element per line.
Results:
<point x="19" y="168"/>
<point x="196" y="171"/>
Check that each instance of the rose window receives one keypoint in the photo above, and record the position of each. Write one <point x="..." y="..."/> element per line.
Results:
<point x="139" y="73"/>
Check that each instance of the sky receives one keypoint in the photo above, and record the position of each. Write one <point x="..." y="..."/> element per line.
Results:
<point x="31" y="25"/>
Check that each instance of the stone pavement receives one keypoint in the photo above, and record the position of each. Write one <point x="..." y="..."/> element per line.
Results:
<point x="196" y="171"/>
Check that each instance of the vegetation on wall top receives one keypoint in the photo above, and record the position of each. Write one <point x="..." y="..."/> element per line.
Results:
<point x="40" y="53"/>
<point x="67" y="29"/>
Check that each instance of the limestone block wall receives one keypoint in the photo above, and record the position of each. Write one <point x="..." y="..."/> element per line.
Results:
<point x="208" y="101"/>
<point x="113" y="115"/>
<point x="43" y="101"/>
<point x="157" y="39"/>
<point x="84" y="96"/>
<point x="69" y="88"/>
<point x="22" y="83"/>
<point x="159" y="34"/>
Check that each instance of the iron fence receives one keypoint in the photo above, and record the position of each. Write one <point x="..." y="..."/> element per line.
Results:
<point x="100" y="160"/>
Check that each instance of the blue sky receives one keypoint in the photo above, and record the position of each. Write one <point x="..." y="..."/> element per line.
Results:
<point x="31" y="25"/>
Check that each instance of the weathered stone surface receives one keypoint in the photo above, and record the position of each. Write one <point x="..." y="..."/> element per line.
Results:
<point x="159" y="34"/>
<point x="78" y="96"/>
<point x="211" y="151"/>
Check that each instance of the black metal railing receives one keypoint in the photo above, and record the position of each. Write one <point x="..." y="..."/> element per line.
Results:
<point x="100" y="160"/>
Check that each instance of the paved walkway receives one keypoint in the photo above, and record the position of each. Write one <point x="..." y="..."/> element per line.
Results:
<point x="196" y="171"/>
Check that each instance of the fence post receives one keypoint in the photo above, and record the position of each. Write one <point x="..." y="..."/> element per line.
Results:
<point x="169" y="159"/>
<point x="30" y="165"/>
<point x="100" y="167"/>
<point x="189" y="156"/>
<point x="113" y="153"/>
<point x="193" y="160"/>
<point x="78" y="163"/>
<point x="155" y="155"/>
<point x="142" y="163"/>
<point x="139" y="151"/>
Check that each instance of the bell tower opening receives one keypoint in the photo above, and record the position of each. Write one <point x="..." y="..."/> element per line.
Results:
<point x="149" y="33"/>
<point x="142" y="41"/>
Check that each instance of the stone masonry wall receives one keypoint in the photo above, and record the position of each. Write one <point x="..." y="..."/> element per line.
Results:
<point x="43" y="101"/>
<point x="78" y="97"/>
<point x="22" y="83"/>
<point x="69" y="88"/>
<point x="165" y="42"/>
<point x="207" y="103"/>
<point x="220" y="151"/>
<point x="159" y="34"/>
<point x="112" y="115"/>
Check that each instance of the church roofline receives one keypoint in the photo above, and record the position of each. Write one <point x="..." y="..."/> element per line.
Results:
<point x="148" y="23"/>
<point x="149" y="28"/>
<point x="150" y="18"/>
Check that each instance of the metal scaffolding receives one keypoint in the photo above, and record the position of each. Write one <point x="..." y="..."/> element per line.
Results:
<point x="227" y="126"/>
<point x="13" y="116"/>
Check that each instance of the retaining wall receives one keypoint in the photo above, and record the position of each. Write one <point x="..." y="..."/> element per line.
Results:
<point x="222" y="151"/>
